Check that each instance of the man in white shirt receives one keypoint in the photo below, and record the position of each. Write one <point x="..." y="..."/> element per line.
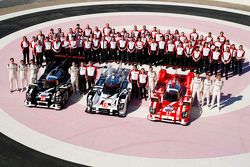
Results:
<point x="196" y="87"/>
<point x="240" y="56"/>
<point x="82" y="78"/>
<point x="207" y="89"/>
<point x="74" y="71"/>
<point x="142" y="82"/>
<point x="133" y="78"/>
<point x="152" y="77"/>
<point x="225" y="62"/>
<point x="91" y="75"/>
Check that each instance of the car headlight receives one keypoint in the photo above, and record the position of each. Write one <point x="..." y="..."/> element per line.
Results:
<point x="120" y="106"/>
<point x="152" y="110"/>
<point x="89" y="103"/>
<point x="185" y="114"/>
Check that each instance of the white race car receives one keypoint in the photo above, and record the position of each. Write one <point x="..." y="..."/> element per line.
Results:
<point x="111" y="93"/>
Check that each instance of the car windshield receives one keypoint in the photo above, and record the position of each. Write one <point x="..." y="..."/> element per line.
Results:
<point x="110" y="90"/>
<point x="171" y="96"/>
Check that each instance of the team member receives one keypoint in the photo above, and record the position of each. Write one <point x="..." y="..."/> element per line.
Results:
<point x="233" y="52"/>
<point x="74" y="71"/>
<point x="171" y="49"/>
<point x="22" y="68"/>
<point x="39" y="51"/>
<point x="239" y="59"/>
<point x="153" y="51"/>
<point x="217" y="86"/>
<point x="33" y="69"/>
<point x="197" y="59"/>
<point x="180" y="56"/>
<point x="82" y="78"/>
<point x="79" y="50"/>
<point x="222" y="38"/>
<point x="87" y="49"/>
<point x="91" y="75"/>
<point x="209" y="38"/>
<point x="188" y="55"/>
<point x="12" y="68"/>
<point x="78" y="28"/>
<point x="194" y="35"/>
<point x="135" y="32"/>
<point x="70" y="34"/>
<point x="113" y="49"/>
<point x="206" y="53"/>
<point x="196" y="86"/>
<point x="142" y="82"/>
<point x="130" y="50"/>
<point x="162" y="49"/>
<point x="122" y="43"/>
<point x="57" y="46"/>
<point x="48" y="50"/>
<point x="97" y="32"/>
<point x="152" y="77"/>
<point x="104" y="50"/>
<point x="106" y="30"/>
<point x="225" y="62"/>
<point x="207" y="89"/>
<point x="25" y="48"/>
<point x="73" y="46"/>
<point x="95" y="47"/>
<point x="87" y="31"/>
<point x="215" y="61"/>
<point x="133" y="78"/>
<point x="139" y="45"/>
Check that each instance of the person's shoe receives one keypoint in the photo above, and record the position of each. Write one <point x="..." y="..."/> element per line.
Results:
<point x="11" y="90"/>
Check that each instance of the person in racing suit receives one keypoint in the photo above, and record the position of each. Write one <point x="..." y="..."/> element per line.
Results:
<point x="22" y="68"/>
<point x="12" y="68"/>
<point x="196" y="87"/>
<point x="133" y="77"/>
<point x="152" y="77"/>
<point x="207" y="88"/>
<point x="74" y="71"/>
<point x="216" y="93"/>
<point x="33" y="68"/>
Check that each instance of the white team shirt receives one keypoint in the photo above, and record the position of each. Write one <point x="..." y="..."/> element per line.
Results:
<point x="143" y="78"/>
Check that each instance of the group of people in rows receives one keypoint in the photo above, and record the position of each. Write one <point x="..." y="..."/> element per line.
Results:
<point x="192" y="51"/>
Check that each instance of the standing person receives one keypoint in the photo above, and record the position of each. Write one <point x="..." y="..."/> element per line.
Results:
<point x="217" y="87"/>
<point x="206" y="53"/>
<point x="139" y="45"/>
<point x="74" y="71"/>
<point x="188" y="55"/>
<point x="194" y="35"/>
<point x="196" y="87"/>
<point x="87" y="49"/>
<point x="225" y="62"/>
<point x="95" y="48"/>
<point x="222" y="38"/>
<point x="57" y="47"/>
<point x="153" y="51"/>
<point x="142" y="83"/>
<point x="33" y="69"/>
<point x="130" y="50"/>
<point x="233" y="52"/>
<point x="23" y="69"/>
<point x="180" y="56"/>
<point x="215" y="61"/>
<point x="133" y="78"/>
<point x="48" y="50"/>
<point x="25" y="48"/>
<point x="113" y="49"/>
<point x="162" y="49"/>
<point x="97" y="32"/>
<point x="91" y="75"/>
<point x="82" y="78"/>
<point x="207" y="89"/>
<point x="32" y="46"/>
<point x="171" y="49"/>
<point x="239" y="59"/>
<point x="87" y="31"/>
<point x="106" y="30"/>
<point x="73" y="46"/>
<point x="104" y="50"/>
<point x="152" y="77"/>
<point x="197" y="59"/>
<point x="122" y="43"/>
<point x="12" y="68"/>
<point x="39" y="50"/>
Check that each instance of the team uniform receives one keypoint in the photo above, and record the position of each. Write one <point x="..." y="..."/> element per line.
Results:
<point x="139" y="45"/>
<point x="225" y="63"/>
<point x="196" y="86"/>
<point x="206" y="53"/>
<point x="217" y="86"/>
<point x="33" y="69"/>
<point x="48" y="51"/>
<point x="133" y="78"/>
<point x="26" y="52"/>
<point x="239" y="60"/>
<point x="215" y="61"/>
<point x="39" y="51"/>
<point x="74" y="71"/>
<point x="197" y="62"/>
<point x="130" y="51"/>
<point x="142" y="82"/>
<point x="104" y="51"/>
<point x="12" y="68"/>
<point x="152" y="77"/>
<point x="23" y="69"/>
<point x="82" y="79"/>
<point x="91" y="76"/>
<point x="153" y="52"/>
<point x="207" y="90"/>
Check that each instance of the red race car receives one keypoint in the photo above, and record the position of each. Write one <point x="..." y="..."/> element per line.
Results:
<point x="172" y="98"/>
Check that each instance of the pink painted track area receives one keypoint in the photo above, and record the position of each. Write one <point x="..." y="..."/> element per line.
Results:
<point x="221" y="135"/>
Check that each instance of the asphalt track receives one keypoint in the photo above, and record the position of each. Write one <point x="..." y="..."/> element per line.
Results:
<point x="22" y="22"/>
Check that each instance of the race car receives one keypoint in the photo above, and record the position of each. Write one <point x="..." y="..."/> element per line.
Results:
<point x="172" y="98"/>
<point x="53" y="88"/>
<point x="111" y="93"/>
